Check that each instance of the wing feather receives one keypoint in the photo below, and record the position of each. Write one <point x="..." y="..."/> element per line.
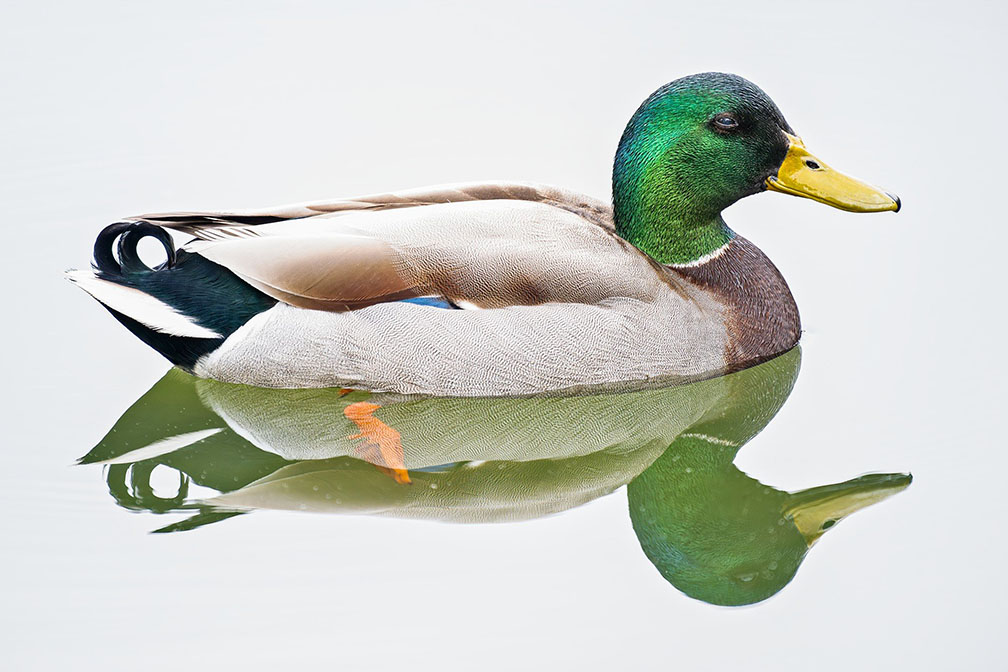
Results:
<point x="488" y="244"/>
<point x="203" y="224"/>
<point x="322" y="272"/>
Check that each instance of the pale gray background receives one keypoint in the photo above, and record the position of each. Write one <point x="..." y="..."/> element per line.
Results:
<point x="109" y="109"/>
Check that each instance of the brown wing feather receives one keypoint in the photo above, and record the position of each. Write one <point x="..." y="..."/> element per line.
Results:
<point x="203" y="224"/>
<point x="332" y="272"/>
<point x="334" y="263"/>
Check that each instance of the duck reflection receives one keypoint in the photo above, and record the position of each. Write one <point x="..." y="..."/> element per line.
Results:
<point x="712" y="531"/>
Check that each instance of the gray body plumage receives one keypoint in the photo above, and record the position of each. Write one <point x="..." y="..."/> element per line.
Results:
<point x="564" y="304"/>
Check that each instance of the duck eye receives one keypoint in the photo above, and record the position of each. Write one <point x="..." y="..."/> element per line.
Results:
<point x="725" y="122"/>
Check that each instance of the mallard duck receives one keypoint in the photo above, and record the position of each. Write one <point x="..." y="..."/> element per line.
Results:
<point x="494" y="289"/>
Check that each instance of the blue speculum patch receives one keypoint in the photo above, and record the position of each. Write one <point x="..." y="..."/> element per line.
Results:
<point x="433" y="301"/>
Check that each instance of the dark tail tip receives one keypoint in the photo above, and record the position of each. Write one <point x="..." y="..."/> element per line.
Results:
<point x="129" y="235"/>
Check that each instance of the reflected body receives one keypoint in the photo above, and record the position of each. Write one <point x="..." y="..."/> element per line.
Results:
<point x="713" y="532"/>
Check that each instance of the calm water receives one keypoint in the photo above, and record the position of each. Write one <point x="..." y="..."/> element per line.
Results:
<point x="588" y="532"/>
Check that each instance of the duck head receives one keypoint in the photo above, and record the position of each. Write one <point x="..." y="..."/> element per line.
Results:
<point x="723" y="537"/>
<point x="699" y="144"/>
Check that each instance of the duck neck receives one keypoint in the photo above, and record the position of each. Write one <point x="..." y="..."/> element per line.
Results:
<point x="662" y="216"/>
<point x="676" y="241"/>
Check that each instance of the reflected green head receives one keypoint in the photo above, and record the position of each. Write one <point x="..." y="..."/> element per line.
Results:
<point x="717" y="535"/>
<point x="725" y="538"/>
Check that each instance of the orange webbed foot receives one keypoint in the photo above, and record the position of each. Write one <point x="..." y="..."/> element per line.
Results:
<point x="382" y="445"/>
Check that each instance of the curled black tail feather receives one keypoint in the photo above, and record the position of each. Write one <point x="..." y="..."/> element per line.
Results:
<point x="128" y="257"/>
<point x="129" y="234"/>
<point x="207" y="293"/>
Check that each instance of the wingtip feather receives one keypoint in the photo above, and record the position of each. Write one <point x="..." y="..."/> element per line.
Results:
<point x="142" y="307"/>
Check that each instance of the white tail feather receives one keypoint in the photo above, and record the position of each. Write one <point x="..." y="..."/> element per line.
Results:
<point x="141" y="307"/>
<point x="162" y="447"/>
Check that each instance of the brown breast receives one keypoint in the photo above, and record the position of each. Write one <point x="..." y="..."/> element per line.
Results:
<point x="762" y="317"/>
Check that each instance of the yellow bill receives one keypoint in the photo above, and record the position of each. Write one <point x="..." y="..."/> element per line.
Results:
<point x="816" y="510"/>
<point x="802" y="174"/>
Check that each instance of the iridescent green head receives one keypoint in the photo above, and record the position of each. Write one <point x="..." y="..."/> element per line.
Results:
<point x="699" y="144"/>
